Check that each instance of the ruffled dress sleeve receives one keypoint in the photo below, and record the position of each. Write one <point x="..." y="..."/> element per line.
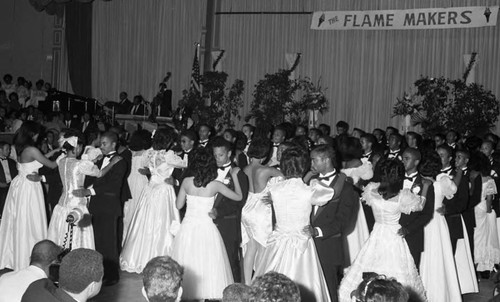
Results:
<point x="490" y="188"/>
<point x="446" y="184"/>
<point x="321" y="193"/>
<point x="370" y="193"/>
<point x="410" y="202"/>
<point x="87" y="167"/>
<point x="175" y="160"/>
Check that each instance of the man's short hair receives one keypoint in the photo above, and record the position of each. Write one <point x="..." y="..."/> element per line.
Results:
<point x="112" y="136"/>
<point x="162" y="278"/>
<point x="79" y="268"/>
<point x="326" y="151"/>
<point x="219" y="142"/>
<point x="236" y="292"/>
<point x="190" y="134"/>
<point x="274" y="286"/>
<point x="342" y="124"/>
<point x="44" y="252"/>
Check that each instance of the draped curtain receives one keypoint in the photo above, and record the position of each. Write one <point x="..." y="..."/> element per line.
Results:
<point x="136" y="42"/>
<point x="364" y="71"/>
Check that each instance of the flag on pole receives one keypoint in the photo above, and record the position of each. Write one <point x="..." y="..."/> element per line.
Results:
<point x="195" y="71"/>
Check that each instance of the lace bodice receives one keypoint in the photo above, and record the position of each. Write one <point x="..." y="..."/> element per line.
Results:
<point x="365" y="171"/>
<point x="293" y="200"/>
<point x="73" y="173"/>
<point x="161" y="164"/>
<point x="443" y="187"/>
<point x="28" y="168"/>
<point x="198" y="208"/>
<point x="389" y="211"/>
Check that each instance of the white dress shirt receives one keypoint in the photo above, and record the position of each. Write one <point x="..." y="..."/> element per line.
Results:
<point x="14" y="284"/>
<point x="222" y="172"/>
<point x="326" y="179"/>
<point x="407" y="184"/>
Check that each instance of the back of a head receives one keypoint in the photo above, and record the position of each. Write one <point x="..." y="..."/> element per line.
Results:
<point x="140" y="140"/>
<point x="378" y="288"/>
<point x="236" y="292"/>
<point x="203" y="166"/>
<point x="24" y="136"/>
<point x="392" y="173"/>
<point x="259" y="148"/>
<point x="162" y="277"/>
<point x="44" y="253"/>
<point x="163" y="139"/>
<point x="274" y="287"/>
<point x="295" y="162"/>
<point x="79" y="268"/>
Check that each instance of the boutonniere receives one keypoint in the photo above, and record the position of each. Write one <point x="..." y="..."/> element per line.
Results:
<point x="226" y="181"/>
<point x="416" y="190"/>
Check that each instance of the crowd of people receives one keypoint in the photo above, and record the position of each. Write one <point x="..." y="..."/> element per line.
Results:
<point x="345" y="216"/>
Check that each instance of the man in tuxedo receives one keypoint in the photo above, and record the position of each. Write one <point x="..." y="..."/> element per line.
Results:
<point x="395" y="142"/>
<point x="106" y="207"/>
<point x="87" y="125"/>
<point x="453" y="208"/>
<point x="412" y="225"/>
<point x="204" y="134"/>
<point x="138" y="107"/>
<point x="70" y="122"/>
<point x="125" y="103"/>
<point x="227" y="212"/>
<point x="165" y="98"/>
<point x="182" y="116"/>
<point x="8" y="170"/>
<point x="159" y="108"/>
<point x="331" y="223"/>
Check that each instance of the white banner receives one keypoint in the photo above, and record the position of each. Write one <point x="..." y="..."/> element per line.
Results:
<point x="429" y="18"/>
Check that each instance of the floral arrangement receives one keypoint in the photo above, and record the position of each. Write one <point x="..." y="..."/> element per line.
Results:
<point x="450" y="104"/>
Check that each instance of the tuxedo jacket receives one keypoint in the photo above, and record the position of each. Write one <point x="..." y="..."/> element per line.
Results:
<point x="141" y="110"/>
<point x="476" y="185"/>
<point x="125" y="106"/>
<point x="164" y="110"/>
<point x="127" y="157"/>
<point x="456" y="206"/>
<point x="228" y="207"/>
<point x="399" y="154"/>
<point x="108" y="189"/>
<point x="336" y="220"/>
<point x="73" y="124"/>
<point x="44" y="290"/>
<point x="12" y="169"/>
<point x="415" y="222"/>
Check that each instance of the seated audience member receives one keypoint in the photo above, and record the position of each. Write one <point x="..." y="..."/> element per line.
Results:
<point x="236" y="292"/>
<point x="274" y="286"/>
<point x="162" y="278"/>
<point x="14" y="284"/>
<point x="80" y="278"/>
<point x="379" y="288"/>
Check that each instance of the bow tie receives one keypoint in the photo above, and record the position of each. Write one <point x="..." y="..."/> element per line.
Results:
<point x="276" y="144"/>
<point x="3" y="158"/>
<point x="109" y="155"/>
<point x="366" y="155"/>
<point x="225" y="167"/>
<point x="447" y="170"/>
<point x="327" y="177"/>
<point x="394" y="152"/>
<point x="412" y="179"/>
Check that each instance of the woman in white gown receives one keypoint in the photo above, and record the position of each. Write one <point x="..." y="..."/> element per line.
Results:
<point x="198" y="245"/>
<point x="385" y="252"/>
<point x="73" y="172"/>
<point x="156" y="219"/>
<point x="356" y="168"/>
<point x="437" y="265"/>
<point x="24" y="220"/>
<point x="139" y="143"/>
<point x="256" y="215"/>
<point x="290" y="249"/>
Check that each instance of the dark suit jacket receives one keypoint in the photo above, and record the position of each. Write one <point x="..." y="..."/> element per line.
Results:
<point x="335" y="219"/>
<point x="108" y="189"/>
<point x="91" y="127"/>
<point x="141" y="110"/>
<point x="12" y="170"/>
<point x="125" y="106"/>
<point x="127" y="157"/>
<point x="74" y="124"/>
<point x="228" y="207"/>
<point x="474" y="200"/>
<point x="415" y="222"/>
<point x="44" y="290"/>
<point x="456" y="206"/>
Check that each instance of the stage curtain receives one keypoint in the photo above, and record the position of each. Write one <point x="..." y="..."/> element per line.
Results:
<point x="78" y="33"/>
<point x="364" y="71"/>
<point x="136" y="42"/>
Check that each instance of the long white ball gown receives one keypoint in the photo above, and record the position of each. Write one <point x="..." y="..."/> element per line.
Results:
<point x="289" y="250"/>
<point x="199" y="248"/>
<point x="437" y="267"/>
<point x="357" y="238"/>
<point x="24" y="220"/>
<point x="73" y="172"/>
<point x="385" y="252"/>
<point x="156" y="218"/>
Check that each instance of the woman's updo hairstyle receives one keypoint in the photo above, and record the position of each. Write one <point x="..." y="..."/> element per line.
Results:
<point x="203" y="167"/>
<point x="392" y="172"/>
<point x="430" y="165"/>
<point x="70" y="133"/>
<point x="164" y="138"/>
<point x="24" y="136"/>
<point x="259" y="148"/>
<point x="295" y="162"/>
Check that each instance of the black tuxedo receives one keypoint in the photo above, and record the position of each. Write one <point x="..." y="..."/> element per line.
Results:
<point x="495" y="174"/>
<point x="415" y="222"/>
<point x="106" y="210"/>
<point x="392" y="154"/>
<point x="125" y="106"/>
<point x="228" y="221"/>
<point x="476" y="185"/>
<point x="454" y="208"/>
<point x="73" y="124"/>
<point x="91" y="127"/>
<point x="165" y="102"/>
<point x="164" y="110"/>
<point x="44" y="290"/>
<point x="336" y="220"/>
<point x="55" y="186"/>
<point x="138" y="110"/>
<point x="13" y="173"/>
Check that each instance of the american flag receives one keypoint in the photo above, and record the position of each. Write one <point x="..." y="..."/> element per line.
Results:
<point x="195" y="71"/>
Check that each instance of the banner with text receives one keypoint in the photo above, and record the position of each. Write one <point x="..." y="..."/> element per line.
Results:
<point x="429" y="18"/>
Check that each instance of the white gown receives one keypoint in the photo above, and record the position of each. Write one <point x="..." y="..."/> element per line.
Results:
<point x="357" y="238"/>
<point x="199" y="248"/>
<point x="486" y="245"/>
<point x="156" y="218"/>
<point x="24" y="220"/>
<point x="437" y="267"/>
<point x="136" y="182"/>
<point x="73" y="173"/>
<point x="385" y="252"/>
<point x="289" y="250"/>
